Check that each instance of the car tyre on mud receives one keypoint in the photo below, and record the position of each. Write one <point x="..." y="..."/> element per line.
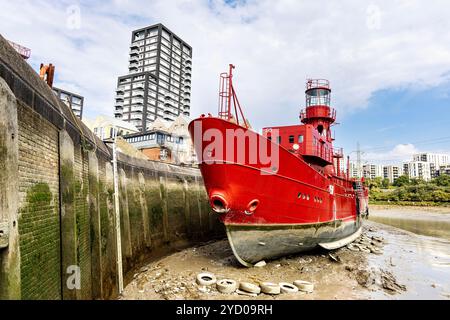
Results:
<point x="226" y="286"/>
<point x="288" y="288"/>
<point x="270" y="288"/>
<point x="249" y="287"/>
<point x="304" y="286"/>
<point x="206" y="279"/>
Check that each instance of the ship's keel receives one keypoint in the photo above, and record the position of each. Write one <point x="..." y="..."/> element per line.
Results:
<point x="253" y="243"/>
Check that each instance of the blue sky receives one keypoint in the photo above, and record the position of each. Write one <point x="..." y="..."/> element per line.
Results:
<point x="419" y="119"/>
<point x="388" y="61"/>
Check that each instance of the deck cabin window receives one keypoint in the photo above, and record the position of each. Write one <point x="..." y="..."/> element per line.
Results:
<point x="291" y="139"/>
<point x="300" y="139"/>
<point x="279" y="139"/>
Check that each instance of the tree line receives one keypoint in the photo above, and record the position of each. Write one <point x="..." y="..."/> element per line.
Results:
<point x="410" y="191"/>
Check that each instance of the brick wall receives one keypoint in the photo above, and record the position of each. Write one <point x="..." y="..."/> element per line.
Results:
<point x="39" y="207"/>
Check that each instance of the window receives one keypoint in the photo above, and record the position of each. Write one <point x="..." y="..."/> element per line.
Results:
<point x="300" y="139"/>
<point x="279" y="139"/>
<point x="291" y="139"/>
<point x="269" y="138"/>
<point x="180" y="140"/>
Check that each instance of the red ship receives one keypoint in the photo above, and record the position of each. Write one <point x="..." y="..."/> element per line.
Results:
<point x="282" y="192"/>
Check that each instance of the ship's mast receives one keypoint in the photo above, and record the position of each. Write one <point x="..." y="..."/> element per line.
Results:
<point x="228" y="100"/>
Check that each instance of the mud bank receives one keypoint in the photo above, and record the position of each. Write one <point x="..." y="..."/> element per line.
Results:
<point x="403" y="271"/>
<point x="422" y="209"/>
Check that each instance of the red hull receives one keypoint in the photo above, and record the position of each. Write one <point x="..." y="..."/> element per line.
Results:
<point x="290" y="193"/>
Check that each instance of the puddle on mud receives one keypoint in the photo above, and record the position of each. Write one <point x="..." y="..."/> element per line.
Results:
<point x="422" y="223"/>
<point x="420" y="258"/>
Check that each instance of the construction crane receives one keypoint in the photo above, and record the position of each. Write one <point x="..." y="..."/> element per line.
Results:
<point x="47" y="73"/>
<point x="23" y="51"/>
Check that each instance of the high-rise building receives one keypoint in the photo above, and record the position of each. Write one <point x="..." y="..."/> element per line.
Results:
<point x="392" y="172"/>
<point x="435" y="158"/>
<point x="372" y="171"/>
<point x="159" y="81"/>
<point x="354" y="170"/>
<point x="417" y="170"/>
<point x="72" y="100"/>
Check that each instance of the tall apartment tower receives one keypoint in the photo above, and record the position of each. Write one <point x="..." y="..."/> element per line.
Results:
<point x="159" y="81"/>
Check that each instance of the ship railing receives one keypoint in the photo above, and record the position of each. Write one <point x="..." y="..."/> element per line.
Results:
<point x="320" y="152"/>
<point x="311" y="112"/>
<point x="317" y="83"/>
<point x="338" y="153"/>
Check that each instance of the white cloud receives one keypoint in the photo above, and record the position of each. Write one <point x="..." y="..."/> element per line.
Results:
<point x="398" y="154"/>
<point x="360" y="47"/>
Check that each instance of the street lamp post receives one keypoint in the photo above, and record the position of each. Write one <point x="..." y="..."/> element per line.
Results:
<point x="117" y="213"/>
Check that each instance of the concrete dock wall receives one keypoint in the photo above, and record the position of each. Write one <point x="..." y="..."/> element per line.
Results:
<point x="57" y="215"/>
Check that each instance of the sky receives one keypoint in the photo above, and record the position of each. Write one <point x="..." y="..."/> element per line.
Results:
<point x="388" y="61"/>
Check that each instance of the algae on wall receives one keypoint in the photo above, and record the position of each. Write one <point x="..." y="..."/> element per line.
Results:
<point x="40" y="245"/>
<point x="176" y="207"/>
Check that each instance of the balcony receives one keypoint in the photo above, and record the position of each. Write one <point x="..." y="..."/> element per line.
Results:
<point x="137" y="109"/>
<point x="134" y="52"/>
<point x="134" y="59"/>
<point x="136" y="117"/>
<point x="187" y="113"/>
<point x="137" y="101"/>
<point x="187" y="87"/>
<point x="139" y="93"/>
<point x="120" y="91"/>
<point x="186" y="100"/>
<point x="168" y="117"/>
<point x="169" y="103"/>
<point x="134" y="46"/>
<point x="139" y="86"/>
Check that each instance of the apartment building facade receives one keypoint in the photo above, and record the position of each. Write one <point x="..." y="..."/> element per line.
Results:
<point x="72" y="100"/>
<point x="417" y="170"/>
<point x="392" y="172"/>
<point x="166" y="141"/>
<point x="158" y="84"/>
<point x="436" y="159"/>
<point x="106" y="127"/>
<point x="372" y="171"/>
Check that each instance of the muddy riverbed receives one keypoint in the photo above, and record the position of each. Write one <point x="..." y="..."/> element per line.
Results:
<point x="412" y="266"/>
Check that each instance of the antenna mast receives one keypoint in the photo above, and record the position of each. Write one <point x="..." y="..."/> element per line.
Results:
<point x="227" y="97"/>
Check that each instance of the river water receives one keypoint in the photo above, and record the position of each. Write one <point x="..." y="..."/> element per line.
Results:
<point x="420" y="257"/>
